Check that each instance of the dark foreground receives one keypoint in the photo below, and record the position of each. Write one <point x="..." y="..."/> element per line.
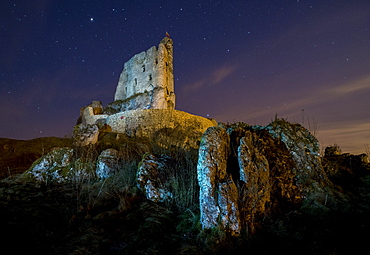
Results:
<point x="92" y="219"/>
<point x="106" y="217"/>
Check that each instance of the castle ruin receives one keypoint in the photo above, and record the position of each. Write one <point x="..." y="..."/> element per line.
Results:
<point x="146" y="81"/>
<point x="144" y="103"/>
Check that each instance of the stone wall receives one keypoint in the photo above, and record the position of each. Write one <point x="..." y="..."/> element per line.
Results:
<point x="146" y="81"/>
<point x="144" y="105"/>
<point x="161" y="124"/>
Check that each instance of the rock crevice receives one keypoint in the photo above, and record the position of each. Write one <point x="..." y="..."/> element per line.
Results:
<point x="248" y="172"/>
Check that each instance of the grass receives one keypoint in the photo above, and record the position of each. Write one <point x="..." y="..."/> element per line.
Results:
<point x="112" y="216"/>
<point x="18" y="155"/>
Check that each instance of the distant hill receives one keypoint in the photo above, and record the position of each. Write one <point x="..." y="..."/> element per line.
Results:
<point x="16" y="156"/>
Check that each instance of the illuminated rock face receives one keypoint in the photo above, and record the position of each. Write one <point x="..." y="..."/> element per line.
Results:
<point x="146" y="81"/>
<point x="248" y="172"/>
<point x="149" y="177"/>
<point x="107" y="163"/>
<point x="218" y="192"/>
<point x="182" y="128"/>
<point x="55" y="166"/>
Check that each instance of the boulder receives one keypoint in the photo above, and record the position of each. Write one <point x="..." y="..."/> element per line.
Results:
<point x="218" y="193"/>
<point x="303" y="147"/>
<point x="332" y="151"/>
<point x="255" y="180"/>
<point x="153" y="177"/>
<point x="107" y="163"/>
<point x="55" y="166"/>
<point x="246" y="173"/>
<point x="97" y="107"/>
<point x="167" y="127"/>
<point x="86" y="134"/>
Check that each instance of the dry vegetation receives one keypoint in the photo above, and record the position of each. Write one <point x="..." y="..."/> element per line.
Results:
<point x="112" y="216"/>
<point x="16" y="156"/>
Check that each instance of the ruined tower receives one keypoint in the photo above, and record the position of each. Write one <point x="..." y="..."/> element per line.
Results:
<point x="146" y="81"/>
<point x="144" y="105"/>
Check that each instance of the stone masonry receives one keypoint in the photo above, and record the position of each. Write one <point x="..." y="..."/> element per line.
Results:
<point x="146" y="81"/>
<point x="144" y="104"/>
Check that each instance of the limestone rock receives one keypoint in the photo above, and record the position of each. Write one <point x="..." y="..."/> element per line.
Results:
<point x="332" y="151"/>
<point x="166" y="127"/>
<point x="91" y="114"/>
<point x="163" y="126"/>
<point x="86" y="134"/>
<point x="55" y="166"/>
<point x="97" y="107"/>
<point x="218" y="194"/>
<point x="303" y="147"/>
<point x="255" y="176"/>
<point x="227" y="202"/>
<point x="146" y="81"/>
<point x="248" y="172"/>
<point x="107" y="164"/>
<point x="153" y="179"/>
<point x="359" y="164"/>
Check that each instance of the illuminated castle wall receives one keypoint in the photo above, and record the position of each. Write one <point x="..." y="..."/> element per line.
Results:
<point x="146" y="81"/>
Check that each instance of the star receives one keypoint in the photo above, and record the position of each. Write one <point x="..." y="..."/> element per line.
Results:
<point x="241" y="47"/>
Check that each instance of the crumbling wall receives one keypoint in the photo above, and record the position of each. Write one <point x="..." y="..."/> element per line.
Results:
<point x="160" y="124"/>
<point x="146" y="81"/>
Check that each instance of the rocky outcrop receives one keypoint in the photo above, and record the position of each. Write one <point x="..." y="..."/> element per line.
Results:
<point x="254" y="179"/>
<point x="332" y="151"/>
<point x="107" y="163"/>
<point x="91" y="114"/>
<point x="248" y="172"/>
<point x="55" y="166"/>
<point x="162" y="126"/>
<point x="60" y="165"/>
<point x="218" y="193"/>
<point x="350" y="165"/>
<point x="153" y="178"/>
<point x="18" y="156"/>
<point x="86" y="134"/>
<point x="302" y="146"/>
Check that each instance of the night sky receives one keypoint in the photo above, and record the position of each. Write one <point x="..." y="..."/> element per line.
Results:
<point x="305" y="61"/>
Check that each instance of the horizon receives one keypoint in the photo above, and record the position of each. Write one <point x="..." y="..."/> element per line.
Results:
<point x="304" y="61"/>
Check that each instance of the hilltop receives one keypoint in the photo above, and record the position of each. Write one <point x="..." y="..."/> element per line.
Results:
<point x="140" y="177"/>
<point x="18" y="155"/>
<point x="84" y="214"/>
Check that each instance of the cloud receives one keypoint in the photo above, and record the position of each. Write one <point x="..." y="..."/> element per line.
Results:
<point x="350" y="136"/>
<point x="217" y="76"/>
<point x="317" y="97"/>
<point x="351" y="87"/>
<point x="222" y="73"/>
<point x="327" y="105"/>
